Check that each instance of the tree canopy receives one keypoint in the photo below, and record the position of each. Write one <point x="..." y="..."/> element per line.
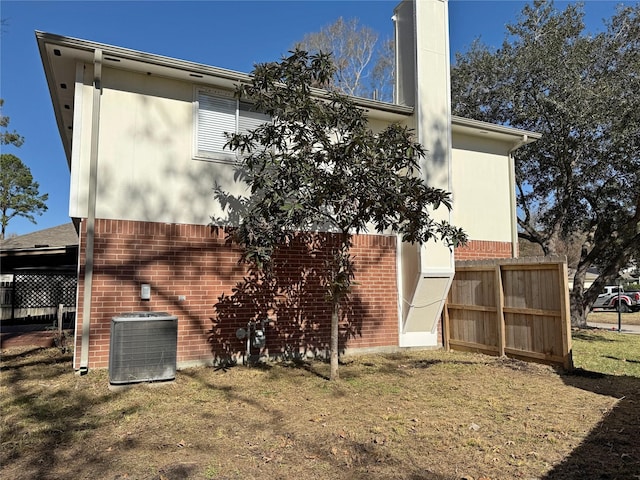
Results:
<point x="19" y="193"/>
<point x="317" y="166"/>
<point x="578" y="184"/>
<point x="364" y="65"/>
<point x="7" y="137"/>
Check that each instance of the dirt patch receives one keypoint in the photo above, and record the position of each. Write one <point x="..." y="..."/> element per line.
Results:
<point x="420" y="415"/>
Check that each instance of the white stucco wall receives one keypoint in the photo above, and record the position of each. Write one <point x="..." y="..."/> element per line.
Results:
<point x="146" y="165"/>
<point x="146" y="169"/>
<point x="481" y="188"/>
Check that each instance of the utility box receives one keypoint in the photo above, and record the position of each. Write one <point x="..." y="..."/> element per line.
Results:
<point x="143" y="347"/>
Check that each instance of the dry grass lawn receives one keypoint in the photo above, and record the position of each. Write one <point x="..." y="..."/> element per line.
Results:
<point x="418" y="415"/>
<point x="610" y="316"/>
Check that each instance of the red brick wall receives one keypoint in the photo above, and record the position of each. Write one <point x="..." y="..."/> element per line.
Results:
<point x="200" y="264"/>
<point x="482" y="249"/>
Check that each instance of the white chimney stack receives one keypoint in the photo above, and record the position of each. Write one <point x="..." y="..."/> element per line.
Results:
<point x="423" y="81"/>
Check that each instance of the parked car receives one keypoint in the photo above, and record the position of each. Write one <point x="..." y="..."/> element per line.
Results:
<point x="616" y="298"/>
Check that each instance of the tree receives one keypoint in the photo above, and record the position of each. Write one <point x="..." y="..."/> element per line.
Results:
<point x="318" y="167"/>
<point x="6" y="137"/>
<point x="364" y="67"/>
<point x="579" y="182"/>
<point x="19" y="194"/>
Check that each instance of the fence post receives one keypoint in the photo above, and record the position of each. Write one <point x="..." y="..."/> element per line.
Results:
<point x="60" y="318"/>
<point x="445" y="324"/>
<point x="565" y="316"/>
<point x="500" y="309"/>
<point x="13" y="298"/>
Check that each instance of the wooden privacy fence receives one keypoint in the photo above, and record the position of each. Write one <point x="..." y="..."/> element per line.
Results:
<point x="514" y="307"/>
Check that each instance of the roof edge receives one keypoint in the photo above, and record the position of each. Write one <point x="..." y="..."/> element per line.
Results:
<point x="194" y="67"/>
<point x="494" y="128"/>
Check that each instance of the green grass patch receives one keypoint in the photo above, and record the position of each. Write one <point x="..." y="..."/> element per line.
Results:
<point x="610" y="353"/>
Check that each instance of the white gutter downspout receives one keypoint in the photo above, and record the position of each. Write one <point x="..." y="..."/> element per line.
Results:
<point x="512" y="180"/>
<point x="91" y="210"/>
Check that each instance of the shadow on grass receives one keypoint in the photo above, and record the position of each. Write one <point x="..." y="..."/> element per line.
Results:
<point x="360" y="456"/>
<point x="612" y="449"/>
<point x="12" y="362"/>
<point x="589" y="337"/>
<point x="8" y="357"/>
<point x="343" y="453"/>
<point x="306" y="366"/>
<point x="434" y="362"/>
<point x="622" y="359"/>
<point x="53" y="414"/>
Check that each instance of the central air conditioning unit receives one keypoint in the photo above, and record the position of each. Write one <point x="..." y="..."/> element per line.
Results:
<point x="143" y="347"/>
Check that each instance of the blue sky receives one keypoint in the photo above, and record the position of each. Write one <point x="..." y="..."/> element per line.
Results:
<point x="229" y="34"/>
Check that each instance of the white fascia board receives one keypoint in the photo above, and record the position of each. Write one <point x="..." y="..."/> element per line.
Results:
<point x="492" y="130"/>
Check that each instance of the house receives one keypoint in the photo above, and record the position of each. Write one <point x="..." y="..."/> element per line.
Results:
<point x="143" y="139"/>
<point x="589" y="278"/>
<point x="54" y="248"/>
<point x="39" y="273"/>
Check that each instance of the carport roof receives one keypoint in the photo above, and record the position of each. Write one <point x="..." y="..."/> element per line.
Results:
<point x="61" y="236"/>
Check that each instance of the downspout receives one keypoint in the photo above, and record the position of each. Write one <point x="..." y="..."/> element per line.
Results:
<point x="91" y="211"/>
<point x="512" y="181"/>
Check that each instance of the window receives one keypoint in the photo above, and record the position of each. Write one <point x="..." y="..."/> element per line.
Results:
<point x="218" y="112"/>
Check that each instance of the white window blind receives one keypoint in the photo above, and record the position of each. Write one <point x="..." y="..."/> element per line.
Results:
<point x="248" y="119"/>
<point x="217" y="115"/>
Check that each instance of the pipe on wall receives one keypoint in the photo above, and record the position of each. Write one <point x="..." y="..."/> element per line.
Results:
<point x="514" y="203"/>
<point x="91" y="211"/>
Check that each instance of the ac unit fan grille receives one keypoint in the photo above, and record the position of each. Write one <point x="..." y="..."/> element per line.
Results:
<point x="143" y="349"/>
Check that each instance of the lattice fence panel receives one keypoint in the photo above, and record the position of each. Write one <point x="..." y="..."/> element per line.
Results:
<point x="40" y="290"/>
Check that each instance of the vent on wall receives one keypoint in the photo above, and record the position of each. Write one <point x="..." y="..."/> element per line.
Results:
<point x="143" y="347"/>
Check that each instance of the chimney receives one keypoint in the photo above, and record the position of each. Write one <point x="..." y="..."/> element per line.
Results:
<point x="423" y="79"/>
<point x="423" y="82"/>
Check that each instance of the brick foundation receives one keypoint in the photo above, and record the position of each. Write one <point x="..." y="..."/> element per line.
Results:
<point x="197" y="262"/>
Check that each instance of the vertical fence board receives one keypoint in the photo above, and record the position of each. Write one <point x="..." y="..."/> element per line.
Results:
<point x="446" y="328"/>
<point x="565" y="316"/>
<point x="499" y="295"/>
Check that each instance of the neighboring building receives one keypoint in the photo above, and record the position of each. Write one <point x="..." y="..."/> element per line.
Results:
<point x="39" y="273"/>
<point x="589" y="278"/>
<point x="54" y="248"/>
<point x="143" y="137"/>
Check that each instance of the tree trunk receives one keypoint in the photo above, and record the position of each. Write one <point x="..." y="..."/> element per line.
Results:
<point x="576" y="300"/>
<point x="334" y="375"/>
<point x="579" y="305"/>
